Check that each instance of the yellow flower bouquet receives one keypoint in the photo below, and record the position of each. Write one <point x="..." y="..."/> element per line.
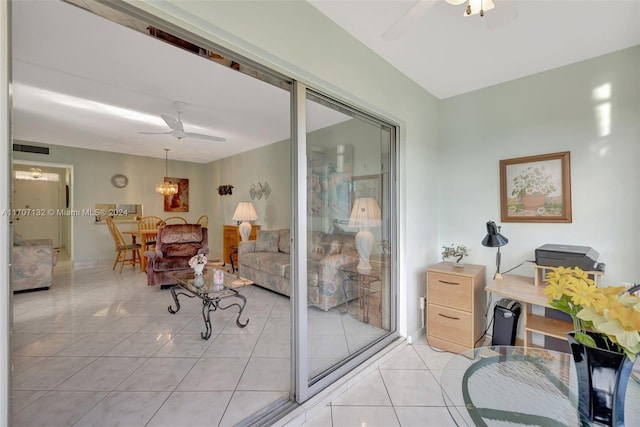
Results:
<point x="609" y="311"/>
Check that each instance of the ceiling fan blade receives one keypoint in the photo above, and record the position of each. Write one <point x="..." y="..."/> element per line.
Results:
<point x="203" y="136"/>
<point x="171" y="122"/>
<point x="155" y="133"/>
<point x="409" y="18"/>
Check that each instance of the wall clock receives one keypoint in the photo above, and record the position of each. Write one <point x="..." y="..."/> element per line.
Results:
<point x="119" y="180"/>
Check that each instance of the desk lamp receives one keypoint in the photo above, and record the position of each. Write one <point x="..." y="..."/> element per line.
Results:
<point x="494" y="239"/>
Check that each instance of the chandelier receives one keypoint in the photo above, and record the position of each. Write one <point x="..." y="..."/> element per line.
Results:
<point x="474" y="7"/>
<point x="166" y="188"/>
<point x="36" y="173"/>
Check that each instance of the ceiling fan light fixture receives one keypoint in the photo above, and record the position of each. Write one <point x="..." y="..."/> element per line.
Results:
<point x="475" y="7"/>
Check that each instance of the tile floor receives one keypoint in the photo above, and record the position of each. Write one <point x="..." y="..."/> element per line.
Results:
<point x="100" y="348"/>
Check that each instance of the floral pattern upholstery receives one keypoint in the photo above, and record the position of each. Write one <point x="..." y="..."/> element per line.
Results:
<point x="327" y="284"/>
<point x="32" y="264"/>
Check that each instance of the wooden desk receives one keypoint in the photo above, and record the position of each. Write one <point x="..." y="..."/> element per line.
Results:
<point x="144" y="236"/>
<point x="521" y="288"/>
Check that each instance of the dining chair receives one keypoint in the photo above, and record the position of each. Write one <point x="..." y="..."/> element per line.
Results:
<point x="149" y="223"/>
<point x="174" y="220"/>
<point x="122" y="248"/>
<point x="203" y="221"/>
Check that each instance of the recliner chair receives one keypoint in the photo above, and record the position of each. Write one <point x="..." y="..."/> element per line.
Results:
<point x="175" y="245"/>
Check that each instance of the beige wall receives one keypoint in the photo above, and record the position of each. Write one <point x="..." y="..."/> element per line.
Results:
<point x="92" y="243"/>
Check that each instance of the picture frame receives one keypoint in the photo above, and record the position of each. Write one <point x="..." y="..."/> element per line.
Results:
<point x="179" y="202"/>
<point x="366" y="186"/>
<point x="536" y="188"/>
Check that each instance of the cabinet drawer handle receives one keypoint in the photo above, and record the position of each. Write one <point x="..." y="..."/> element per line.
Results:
<point x="448" y="283"/>
<point x="448" y="317"/>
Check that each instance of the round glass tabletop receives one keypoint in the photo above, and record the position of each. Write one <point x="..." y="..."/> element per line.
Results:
<point x="501" y="386"/>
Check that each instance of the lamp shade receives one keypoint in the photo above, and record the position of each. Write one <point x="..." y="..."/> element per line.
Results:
<point x="478" y="6"/>
<point x="494" y="239"/>
<point x="245" y="212"/>
<point x="365" y="213"/>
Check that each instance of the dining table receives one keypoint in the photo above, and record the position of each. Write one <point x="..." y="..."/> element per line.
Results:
<point x="144" y="236"/>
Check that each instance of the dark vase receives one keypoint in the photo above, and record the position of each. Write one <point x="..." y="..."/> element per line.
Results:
<point x="602" y="377"/>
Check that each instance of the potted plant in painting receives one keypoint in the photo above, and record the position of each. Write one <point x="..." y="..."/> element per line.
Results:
<point x="532" y="187"/>
<point x="458" y="252"/>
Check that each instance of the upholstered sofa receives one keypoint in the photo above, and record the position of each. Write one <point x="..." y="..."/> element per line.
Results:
<point x="266" y="261"/>
<point x="175" y="245"/>
<point x="32" y="264"/>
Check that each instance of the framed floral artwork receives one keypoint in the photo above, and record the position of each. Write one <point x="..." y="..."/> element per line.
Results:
<point x="536" y="188"/>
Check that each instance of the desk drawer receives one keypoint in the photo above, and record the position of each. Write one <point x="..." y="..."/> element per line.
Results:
<point x="450" y="324"/>
<point x="450" y="290"/>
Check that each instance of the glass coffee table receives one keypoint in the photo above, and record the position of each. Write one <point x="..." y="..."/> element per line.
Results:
<point x="211" y="294"/>
<point x="500" y="385"/>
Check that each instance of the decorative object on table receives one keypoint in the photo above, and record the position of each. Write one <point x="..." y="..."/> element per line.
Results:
<point x="536" y="188"/>
<point x="244" y="213"/>
<point x="604" y="343"/>
<point x="365" y="214"/>
<point x="179" y="202"/>
<point x="166" y="188"/>
<point x="494" y="239"/>
<point x="218" y="279"/>
<point x="198" y="262"/>
<point x="260" y="190"/>
<point x="457" y="252"/>
<point x="225" y="190"/>
<point x="198" y="281"/>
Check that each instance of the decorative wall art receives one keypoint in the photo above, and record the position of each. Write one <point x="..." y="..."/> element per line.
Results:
<point x="536" y="188"/>
<point x="260" y="190"/>
<point x="225" y="190"/>
<point x="329" y="173"/>
<point x="367" y="186"/>
<point x="178" y="202"/>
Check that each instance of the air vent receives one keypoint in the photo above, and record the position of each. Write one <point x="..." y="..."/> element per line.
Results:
<point x="31" y="149"/>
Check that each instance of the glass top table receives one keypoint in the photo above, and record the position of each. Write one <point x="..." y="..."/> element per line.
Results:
<point x="502" y="386"/>
<point x="211" y="294"/>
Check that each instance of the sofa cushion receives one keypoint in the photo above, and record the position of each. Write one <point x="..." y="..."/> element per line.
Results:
<point x="267" y="240"/>
<point x="284" y="242"/>
<point x="274" y="263"/>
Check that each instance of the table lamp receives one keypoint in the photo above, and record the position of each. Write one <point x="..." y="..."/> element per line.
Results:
<point x="494" y="239"/>
<point x="365" y="214"/>
<point x="245" y="213"/>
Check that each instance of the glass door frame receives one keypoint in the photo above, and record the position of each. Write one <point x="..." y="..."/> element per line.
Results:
<point x="304" y="386"/>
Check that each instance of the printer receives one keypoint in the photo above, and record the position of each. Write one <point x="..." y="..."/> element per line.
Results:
<point x="584" y="257"/>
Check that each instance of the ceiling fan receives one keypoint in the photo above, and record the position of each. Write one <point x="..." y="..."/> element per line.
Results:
<point x="498" y="17"/>
<point x="177" y="128"/>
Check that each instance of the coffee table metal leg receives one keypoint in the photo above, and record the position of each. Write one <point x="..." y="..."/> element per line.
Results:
<point x="241" y="307"/>
<point x="175" y="299"/>
<point x="206" y="310"/>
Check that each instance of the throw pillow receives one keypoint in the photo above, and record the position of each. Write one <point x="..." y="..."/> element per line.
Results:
<point x="18" y="240"/>
<point x="267" y="240"/>
<point x="284" y="244"/>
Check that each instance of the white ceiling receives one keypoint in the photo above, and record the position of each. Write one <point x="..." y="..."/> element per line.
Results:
<point x="449" y="54"/>
<point x="80" y="80"/>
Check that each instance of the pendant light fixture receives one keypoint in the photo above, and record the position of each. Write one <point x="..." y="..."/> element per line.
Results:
<point x="166" y="188"/>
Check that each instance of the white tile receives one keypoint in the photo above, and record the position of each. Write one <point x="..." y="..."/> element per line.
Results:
<point x="104" y="374"/>
<point x="48" y="345"/>
<point x="49" y="373"/>
<point x="21" y="364"/>
<point x="245" y="403"/>
<point x="139" y="345"/>
<point x="184" y="345"/>
<point x="214" y="373"/>
<point x="21" y="399"/>
<point x="370" y="416"/>
<point x="57" y="408"/>
<point x="232" y="346"/>
<point x="273" y="346"/>
<point x="407" y="358"/>
<point x="412" y="387"/>
<point x="320" y="419"/>
<point x="433" y="358"/>
<point x="124" y="408"/>
<point x="424" y="416"/>
<point x="370" y="391"/>
<point x="266" y="374"/>
<point x="93" y="345"/>
<point x="192" y="408"/>
<point x="158" y="374"/>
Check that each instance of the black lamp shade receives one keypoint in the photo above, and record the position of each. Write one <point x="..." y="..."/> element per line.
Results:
<point x="493" y="239"/>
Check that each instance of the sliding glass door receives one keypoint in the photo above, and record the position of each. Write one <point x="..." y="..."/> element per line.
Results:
<point x="345" y="239"/>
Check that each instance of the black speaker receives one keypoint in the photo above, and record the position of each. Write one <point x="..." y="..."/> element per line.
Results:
<point x="505" y="322"/>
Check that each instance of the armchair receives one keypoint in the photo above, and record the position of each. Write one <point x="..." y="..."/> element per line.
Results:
<point x="175" y="245"/>
<point x="32" y="264"/>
